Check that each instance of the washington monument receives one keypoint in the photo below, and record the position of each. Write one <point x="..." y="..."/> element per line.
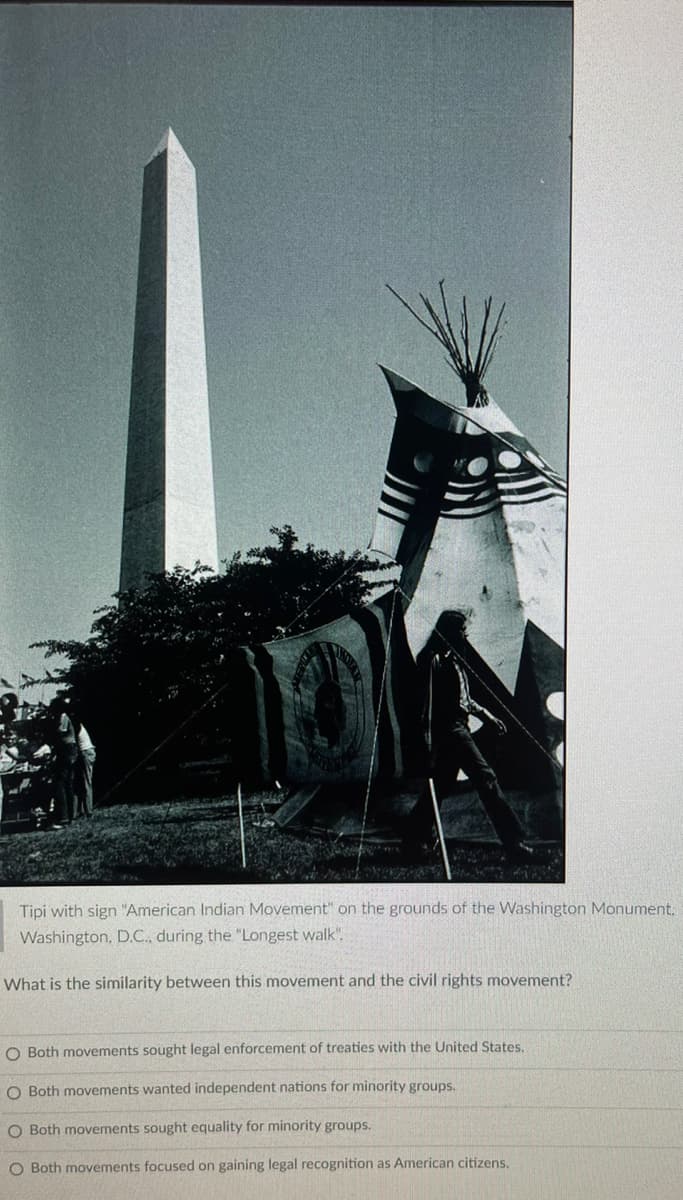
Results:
<point x="169" y="516"/>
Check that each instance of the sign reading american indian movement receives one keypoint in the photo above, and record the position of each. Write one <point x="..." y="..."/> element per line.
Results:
<point x="336" y="704"/>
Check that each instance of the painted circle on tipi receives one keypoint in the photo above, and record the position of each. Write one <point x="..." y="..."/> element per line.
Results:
<point x="509" y="459"/>
<point x="329" y="707"/>
<point x="559" y="753"/>
<point x="477" y="467"/>
<point x="555" y="705"/>
<point x="423" y="462"/>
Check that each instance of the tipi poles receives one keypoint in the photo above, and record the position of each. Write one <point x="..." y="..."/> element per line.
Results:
<point x="470" y="371"/>
<point x="376" y="731"/>
<point x="241" y="816"/>
<point x="439" y="829"/>
<point x="432" y="790"/>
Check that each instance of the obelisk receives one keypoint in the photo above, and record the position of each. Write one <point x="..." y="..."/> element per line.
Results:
<point x="169" y="516"/>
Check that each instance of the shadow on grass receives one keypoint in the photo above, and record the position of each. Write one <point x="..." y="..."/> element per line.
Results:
<point x="194" y="873"/>
<point x="347" y="862"/>
<point x="199" y="818"/>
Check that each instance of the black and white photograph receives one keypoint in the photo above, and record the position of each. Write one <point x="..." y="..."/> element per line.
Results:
<point x="286" y="376"/>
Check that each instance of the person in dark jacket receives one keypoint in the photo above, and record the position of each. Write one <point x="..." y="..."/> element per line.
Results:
<point x="85" y="765"/>
<point x="448" y="704"/>
<point x="64" y="745"/>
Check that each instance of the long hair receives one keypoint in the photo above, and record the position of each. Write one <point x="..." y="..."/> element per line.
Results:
<point x="450" y="629"/>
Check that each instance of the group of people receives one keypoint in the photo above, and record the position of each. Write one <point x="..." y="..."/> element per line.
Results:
<point x="74" y="761"/>
<point x="68" y="748"/>
<point x="9" y="755"/>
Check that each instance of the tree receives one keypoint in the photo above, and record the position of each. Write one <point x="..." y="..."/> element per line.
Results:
<point x="153" y="674"/>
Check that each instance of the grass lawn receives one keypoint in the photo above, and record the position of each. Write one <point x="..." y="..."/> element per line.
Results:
<point x="197" y="841"/>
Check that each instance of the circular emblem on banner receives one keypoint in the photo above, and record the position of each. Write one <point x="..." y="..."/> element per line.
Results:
<point x="327" y="689"/>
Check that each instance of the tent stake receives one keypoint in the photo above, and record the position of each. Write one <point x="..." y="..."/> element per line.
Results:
<point x="239" y="806"/>
<point x="439" y="830"/>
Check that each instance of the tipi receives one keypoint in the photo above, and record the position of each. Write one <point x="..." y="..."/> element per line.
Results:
<point x="477" y="520"/>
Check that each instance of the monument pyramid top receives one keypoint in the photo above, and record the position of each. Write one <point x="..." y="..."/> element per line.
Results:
<point x="169" y="142"/>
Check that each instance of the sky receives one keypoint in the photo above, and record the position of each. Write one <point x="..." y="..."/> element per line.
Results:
<point x="336" y="150"/>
